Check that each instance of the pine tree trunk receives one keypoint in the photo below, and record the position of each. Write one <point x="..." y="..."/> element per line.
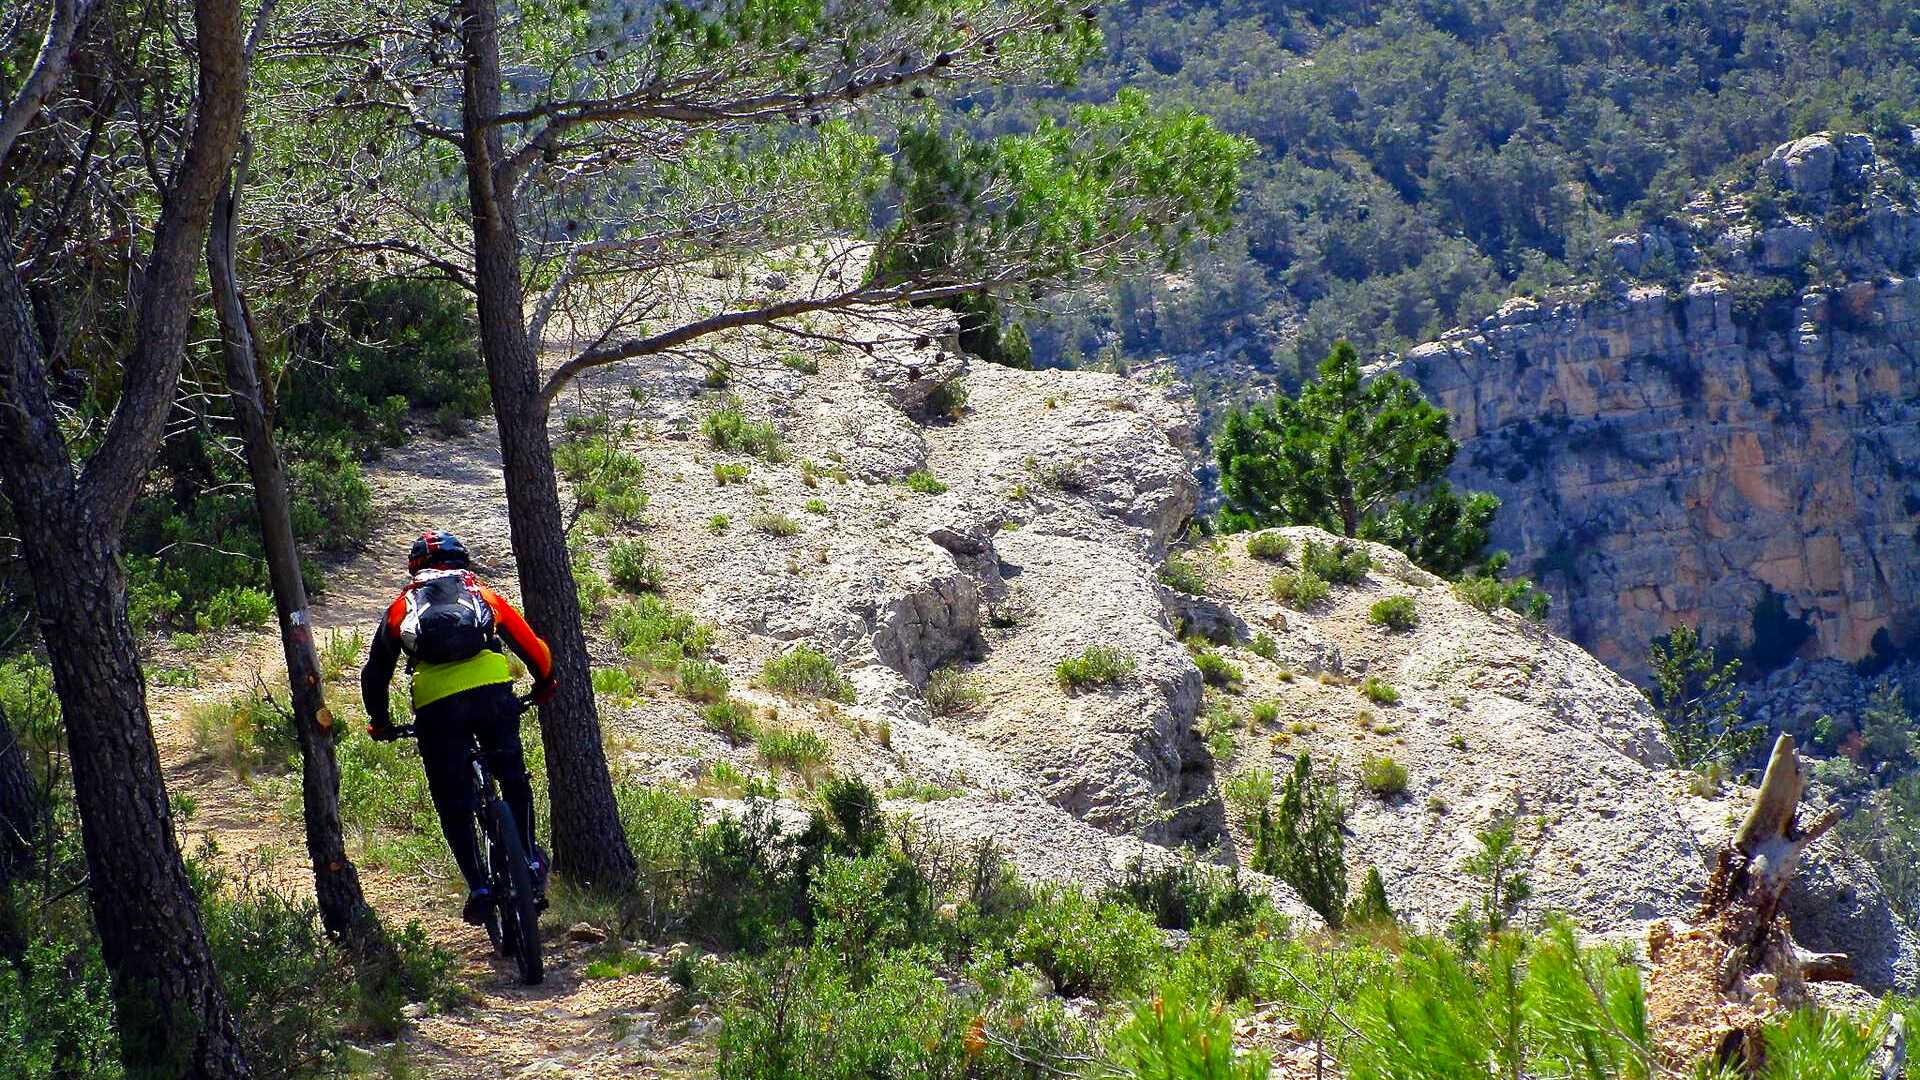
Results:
<point x="172" y="1017"/>
<point x="343" y="905"/>
<point x="590" y="847"/>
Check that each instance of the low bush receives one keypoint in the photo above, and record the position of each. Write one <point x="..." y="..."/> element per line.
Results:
<point x="1187" y="894"/>
<point x="774" y="523"/>
<point x="948" y="400"/>
<point x="1088" y="947"/>
<point x="1265" y="646"/>
<point x="805" y="365"/>
<point x="924" y="482"/>
<point x="247" y="733"/>
<point x="1270" y="545"/>
<point x="614" y="682"/>
<point x="728" y="428"/>
<point x="700" y="680"/>
<point x="1177" y="1035"/>
<point x="1300" y="590"/>
<point x="606" y="479"/>
<point x="1342" y="563"/>
<point x="1186" y="575"/>
<point x="726" y="474"/>
<point x="1265" y="711"/>
<point x="804" y="752"/>
<point x="1396" y="613"/>
<point x="1217" y="670"/>
<point x="805" y="671"/>
<point x="731" y="719"/>
<point x="949" y="692"/>
<point x="1488" y="592"/>
<point x="718" y="523"/>
<point x="1094" y="666"/>
<point x="1379" y="692"/>
<point x="632" y="566"/>
<point x="1383" y="776"/>
<point x="817" y="506"/>
<point x="652" y="631"/>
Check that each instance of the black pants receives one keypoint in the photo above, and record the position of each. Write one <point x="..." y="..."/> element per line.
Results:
<point x="445" y="729"/>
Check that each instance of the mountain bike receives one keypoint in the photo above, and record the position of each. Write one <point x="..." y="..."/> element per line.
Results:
<point x="513" y="924"/>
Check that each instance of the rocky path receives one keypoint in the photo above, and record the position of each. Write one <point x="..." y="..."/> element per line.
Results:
<point x="571" y="1025"/>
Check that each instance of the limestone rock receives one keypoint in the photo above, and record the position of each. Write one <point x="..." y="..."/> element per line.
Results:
<point x="1805" y="165"/>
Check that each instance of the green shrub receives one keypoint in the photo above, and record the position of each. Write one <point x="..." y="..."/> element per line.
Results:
<point x="805" y="365"/>
<point x="1270" y="545"/>
<point x="1396" y="613"/>
<point x="247" y="733"/>
<point x="924" y="482"/>
<point x="725" y="473"/>
<point x="1371" y="907"/>
<point x="1300" y="840"/>
<point x="804" y="671"/>
<point x="56" y="1007"/>
<point x="816" y="506"/>
<point x="1383" y="776"/>
<point x="1265" y="711"/>
<point x="774" y="523"/>
<point x="1301" y="589"/>
<point x="1217" y="670"/>
<point x="376" y="348"/>
<point x="1186" y="894"/>
<point x="237" y="606"/>
<point x="802" y="751"/>
<point x="1089" y="948"/>
<point x="652" y="631"/>
<point x="719" y="374"/>
<point x="613" y="682"/>
<point x="718" y="523"/>
<point x="731" y="719"/>
<point x="1095" y="666"/>
<point x="606" y="479"/>
<point x="1488" y="592"/>
<point x="1175" y="1035"/>
<point x="632" y="566"/>
<point x="949" y="692"/>
<point x="663" y="829"/>
<point x="948" y="400"/>
<point x="700" y="680"/>
<point x="1342" y="563"/>
<point x="1186" y="575"/>
<point x="1378" y="692"/>
<point x="728" y="428"/>
<point x="330" y="502"/>
<point x="1265" y="646"/>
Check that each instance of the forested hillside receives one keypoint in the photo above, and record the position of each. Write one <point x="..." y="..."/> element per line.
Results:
<point x="1420" y="161"/>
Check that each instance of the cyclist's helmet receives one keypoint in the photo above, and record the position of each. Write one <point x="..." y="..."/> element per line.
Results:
<point x="438" y="549"/>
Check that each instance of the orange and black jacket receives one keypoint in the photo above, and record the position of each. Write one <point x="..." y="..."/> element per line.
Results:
<point x="431" y="682"/>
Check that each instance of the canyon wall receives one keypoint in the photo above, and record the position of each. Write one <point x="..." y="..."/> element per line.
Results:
<point x="1728" y="435"/>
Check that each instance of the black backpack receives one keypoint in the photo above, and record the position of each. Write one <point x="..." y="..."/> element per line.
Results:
<point x="447" y="618"/>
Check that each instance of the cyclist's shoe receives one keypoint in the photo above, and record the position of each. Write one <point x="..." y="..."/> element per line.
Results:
<point x="537" y="862"/>
<point x="479" y="906"/>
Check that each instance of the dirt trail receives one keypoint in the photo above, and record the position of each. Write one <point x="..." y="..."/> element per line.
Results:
<point x="569" y="1025"/>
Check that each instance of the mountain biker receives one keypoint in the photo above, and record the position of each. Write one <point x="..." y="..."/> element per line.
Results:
<point x="452" y="628"/>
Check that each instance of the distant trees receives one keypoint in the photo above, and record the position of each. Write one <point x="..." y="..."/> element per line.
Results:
<point x="1356" y="456"/>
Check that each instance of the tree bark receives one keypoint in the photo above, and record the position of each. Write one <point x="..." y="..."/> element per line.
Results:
<point x="343" y="904"/>
<point x="173" y="1019"/>
<point x="590" y="847"/>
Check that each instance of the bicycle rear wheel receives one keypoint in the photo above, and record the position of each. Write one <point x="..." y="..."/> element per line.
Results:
<point x="519" y="920"/>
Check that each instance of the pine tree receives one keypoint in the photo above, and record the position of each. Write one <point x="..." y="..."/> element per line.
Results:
<point x="1371" y="907"/>
<point x="1356" y="456"/>
<point x="1698" y="702"/>
<point x="1300" y="841"/>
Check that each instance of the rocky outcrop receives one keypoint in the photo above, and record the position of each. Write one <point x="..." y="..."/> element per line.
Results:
<point x="1731" y="447"/>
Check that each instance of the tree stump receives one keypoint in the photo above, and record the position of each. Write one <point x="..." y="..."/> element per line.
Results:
<point x="1714" y="983"/>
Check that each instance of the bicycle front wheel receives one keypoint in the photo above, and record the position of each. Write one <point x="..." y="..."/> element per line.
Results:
<point x="513" y="884"/>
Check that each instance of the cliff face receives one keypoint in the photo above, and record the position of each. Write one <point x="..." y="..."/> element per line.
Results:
<point x="1735" y="453"/>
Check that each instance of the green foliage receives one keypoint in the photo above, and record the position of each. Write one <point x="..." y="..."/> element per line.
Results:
<point x="1301" y="841"/>
<point x="728" y="428"/>
<point x="805" y="671"/>
<point x="726" y="473"/>
<point x="1217" y="670"/>
<point x="1886" y="728"/>
<point x="1264" y="711"/>
<point x="1698" y="702"/>
<point x="370" y="344"/>
<point x="1187" y="894"/>
<point x="248" y="733"/>
<point x="606" y="478"/>
<point x="924" y="482"/>
<point x="1396" y="613"/>
<point x="731" y="719"/>
<point x="805" y="365"/>
<point x="1186" y="574"/>
<point x="1812" y="1045"/>
<point x="1339" y="564"/>
<point x="654" y="632"/>
<point x="1357" y="457"/>
<point x="948" y="400"/>
<point x="1094" y="666"/>
<point x="1299" y="589"/>
<point x="1270" y="545"/>
<point x="700" y="680"/>
<point x="1087" y="947"/>
<point x="1485" y="590"/>
<point x="1265" y="646"/>
<point x="632" y="566"/>
<point x="774" y="523"/>
<point x="949" y="692"/>
<point x="1885" y="831"/>
<point x="1383" y="776"/>
<point x="1500" y="868"/>
<point x="1371" y="907"/>
<point x="802" y="751"/>
<point x="237" y="607"/>
<point x="1378" y="691"/>
<point x="1176" y="1036"/>
<point x="56" y="1007"/>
